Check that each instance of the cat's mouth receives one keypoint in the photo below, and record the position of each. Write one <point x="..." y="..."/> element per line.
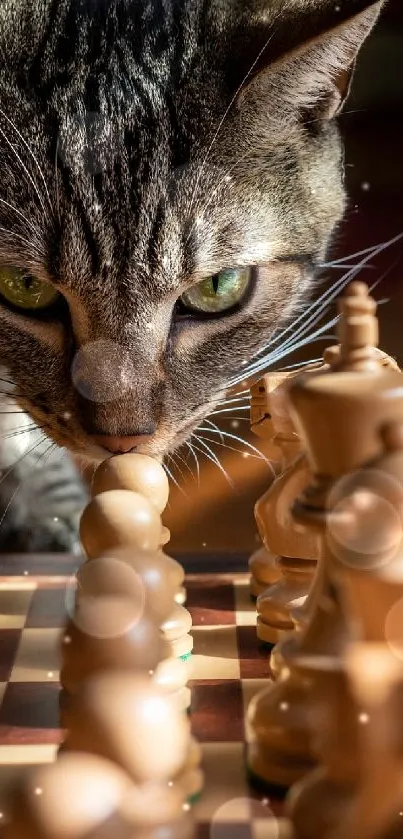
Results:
<point x="67" y="431"/>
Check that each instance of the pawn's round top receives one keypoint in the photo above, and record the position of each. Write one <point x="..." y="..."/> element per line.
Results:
<point x="131" y="721"/>
<point x="119" y="518"/>
<point x="67" y="799"/>
<point x="136" y="472"/>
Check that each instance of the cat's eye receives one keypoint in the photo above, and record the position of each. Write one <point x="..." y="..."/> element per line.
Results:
<point x="25" y="291"/>
<point x="218" y="293"/>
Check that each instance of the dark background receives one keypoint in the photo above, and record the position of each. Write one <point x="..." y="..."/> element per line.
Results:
<point x="214" y="517"/>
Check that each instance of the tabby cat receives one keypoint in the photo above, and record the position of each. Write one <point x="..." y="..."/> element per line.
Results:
<point x="171" y="175"/>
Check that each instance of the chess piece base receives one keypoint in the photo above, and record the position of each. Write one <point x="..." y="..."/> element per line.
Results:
<point x="317" y="805"/>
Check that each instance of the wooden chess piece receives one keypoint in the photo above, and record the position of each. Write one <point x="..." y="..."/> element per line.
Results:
<point x="263" y="564"/>
<point x="122" y="599"/>
<point x="77" y="797"/>
<point x="338" y="414"/>
<point x="141" y="474"/>
<point x="132" y="722"/>
<point x="295" y="555"/>
<point x="117" y="518"/>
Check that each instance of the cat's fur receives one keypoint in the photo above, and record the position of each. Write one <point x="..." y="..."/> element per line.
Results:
<point x="144" y="145"/>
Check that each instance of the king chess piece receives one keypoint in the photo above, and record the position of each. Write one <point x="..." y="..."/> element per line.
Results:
<point x="338" y="414"/>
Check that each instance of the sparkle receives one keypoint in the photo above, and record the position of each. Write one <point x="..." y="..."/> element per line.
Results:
<point x="204" y="544"/>
<point x="67" y="415"/>
<point x="265" y="802"/>
<point x="1" y="816"/>
<point x="50" y="674"/>
<point x="186" y="807"/>
<point x="284" y="706"/>
<point x="67" y="639"/>
<point x="56" y="518"/>
<point x="363" y="719"/>
<point x="151" y="672"/>
<point x="170" y="783"/>
<point x="337" y="8"/>
<point x="235" y="424"/>
<point x="26" y="573"/>
<point x="365" y="186"/>
<point x="97" y="208"/>
<point x="245" y="455"/>
<point x="38" y="791"/>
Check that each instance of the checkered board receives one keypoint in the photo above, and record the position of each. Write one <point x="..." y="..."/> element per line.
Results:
<point x="228" y="669"/>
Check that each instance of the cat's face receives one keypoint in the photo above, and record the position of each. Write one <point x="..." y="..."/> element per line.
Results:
<point x="164" y="204"/>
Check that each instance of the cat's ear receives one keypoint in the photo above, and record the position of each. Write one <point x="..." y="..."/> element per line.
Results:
<point x="316" y="75"/>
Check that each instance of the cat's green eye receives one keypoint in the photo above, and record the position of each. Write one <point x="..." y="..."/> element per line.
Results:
<point x="25" y="291"/>
<point x="218" y="293"/>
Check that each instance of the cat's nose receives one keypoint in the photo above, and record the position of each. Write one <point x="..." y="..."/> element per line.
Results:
<point x="121" y="445"/>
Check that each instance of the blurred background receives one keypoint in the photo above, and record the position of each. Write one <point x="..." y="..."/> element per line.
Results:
<point x="214" y="516"/>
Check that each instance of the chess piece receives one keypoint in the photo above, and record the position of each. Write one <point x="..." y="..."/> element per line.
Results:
<point x="263" y="564"/>
<point x="121" y="600"/>
<point x="294" y="556"/>
<point x="119" y="518"/>
<point x="297" y="553"/>
<point x="102" y="637"/>
<point x="156" y="810"/>
<point x="73" y="798"/>
<point x="132" y="722"/>
<point x="176" y="629"/>
<point x="338" y="414"/>
<point x="146" y="476"/>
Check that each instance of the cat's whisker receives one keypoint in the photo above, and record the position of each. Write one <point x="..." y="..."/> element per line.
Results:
<point x="222" y="121"/>
<point x="30" y="152"/>
<point x="231" y="448"/>
<point x="230" y="410"/>
<point x="282" y="352"/>
<point x="318" y="306"/>
<point x="42" y="454"/>
<point x="173" y="479"/>
<point x="363" y="252"/>
<point x="176" y="465"/>
<point x="243" y="442"/>
<point x="214" y="426"/>
<point x="19" y="213"/>
<point x="30" y="245"/>
<point x="193" y="453"/>
<point x="27" y="173"/>
<point x="212" y="456"/>
<point x="300" y="364"/>
<point x="20" y="459"/>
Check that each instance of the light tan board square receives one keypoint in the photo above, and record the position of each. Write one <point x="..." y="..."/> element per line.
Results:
<point x="14" y="606"/>
<point x="245" y="606"/>
<point x="226" y="790"/>
<point x="215" y="653"/>
<point x="37" y="658"/>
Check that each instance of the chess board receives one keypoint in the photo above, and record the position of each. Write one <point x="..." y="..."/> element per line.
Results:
<point x="228" y="669"/>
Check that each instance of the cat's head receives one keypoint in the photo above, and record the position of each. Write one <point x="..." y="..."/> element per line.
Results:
<point x="169" y="184"/>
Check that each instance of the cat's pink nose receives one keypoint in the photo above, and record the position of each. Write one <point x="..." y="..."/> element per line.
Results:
<point x="121" y="445"/>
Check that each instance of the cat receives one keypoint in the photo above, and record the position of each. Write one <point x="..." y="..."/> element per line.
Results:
<point x="171" y="178"/>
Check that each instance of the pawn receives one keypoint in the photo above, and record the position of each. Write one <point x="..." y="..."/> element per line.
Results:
<point x="104" y="635"/>
<point x="78" y="797"/>
<point x="122" y="597"/>
<point x="156" y="811"/>
<point x="176" y="631"/>
<point x="144" y="475"/>
<point x="130" y="721"/>
<point x="119" y="518"/>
